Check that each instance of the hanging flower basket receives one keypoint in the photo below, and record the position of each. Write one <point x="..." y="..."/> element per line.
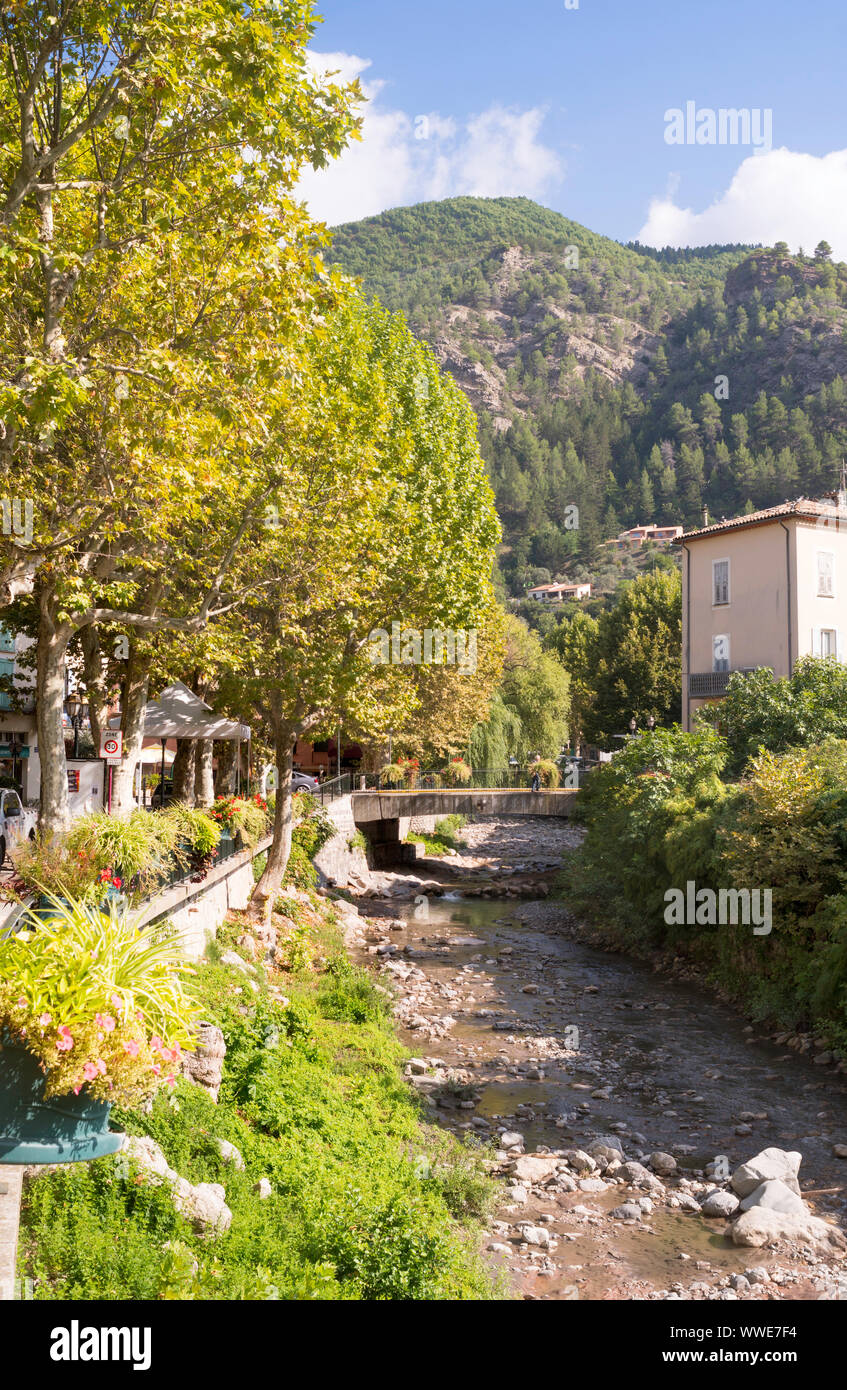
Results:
<point x="64" y="1129"/>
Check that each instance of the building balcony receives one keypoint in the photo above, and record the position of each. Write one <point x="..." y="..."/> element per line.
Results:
<point x="708" y="684"/>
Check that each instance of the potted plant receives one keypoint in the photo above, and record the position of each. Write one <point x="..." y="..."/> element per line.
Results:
<point x="391" y="775"/>
<point x="457" y="772"/>
<point x="241" y="819"/>
<point x="93" y="1012"/>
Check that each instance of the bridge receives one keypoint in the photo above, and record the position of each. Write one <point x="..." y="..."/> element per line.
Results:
<point x="384" y="816"/>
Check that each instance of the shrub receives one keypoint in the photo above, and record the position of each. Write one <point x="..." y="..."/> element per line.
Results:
<point x="135" y="849"/>
<point x="548" y="772"/>
<point x="391" y="774"/>
<point x="195" y="827"/>
<point x="241" y="816"/>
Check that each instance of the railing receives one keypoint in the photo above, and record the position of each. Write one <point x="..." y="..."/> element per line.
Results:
<point x="704" y="683"/>
<point x="332" y="789"/>
<point x="482" y="779"/>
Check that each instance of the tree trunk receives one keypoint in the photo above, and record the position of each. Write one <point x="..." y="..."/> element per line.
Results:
<point x="132" y="724"/>
<point x="53" y="637"/>
<point x="204" y="781"/>
<point x="184" y="771"/>
<point x="266" y="890"/>
<point x="225" y="778"/>
<point x="96" y="689"/>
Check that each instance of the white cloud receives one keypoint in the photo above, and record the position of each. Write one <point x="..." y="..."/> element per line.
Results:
<point x="405" y="158"/>
<point x="778" y="196"/>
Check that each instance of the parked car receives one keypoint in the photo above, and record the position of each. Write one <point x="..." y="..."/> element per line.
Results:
<point x="16" y="822"/>
<point x="302" y="782"/>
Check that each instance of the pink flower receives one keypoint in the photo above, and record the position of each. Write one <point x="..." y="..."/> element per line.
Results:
<point x="77" y="1090"/>
<point x="65" y="1042"/>
<point x="101" y="1066"/>
<point x="89" y="1071"/>
<point x="156" y="1068"/>
<point x="170" y="1081"/>
<point x="118" y="1002"/>
<point x="45" y="1019"/>
<point x="156" y="1044"/>
<point x="131" y="1047"/>
<point x="105" y="1021"/>
<point x="22" y="1003"/>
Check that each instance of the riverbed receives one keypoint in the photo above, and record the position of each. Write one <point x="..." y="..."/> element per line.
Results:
<point x="525" y="1036"/>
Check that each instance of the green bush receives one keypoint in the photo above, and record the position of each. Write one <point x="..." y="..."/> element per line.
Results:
<point x="367" y="1202"/>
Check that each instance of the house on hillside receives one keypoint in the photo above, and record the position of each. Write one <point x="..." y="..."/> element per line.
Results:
<point x="634" y="538"/>
<point x="559" y="593"/>
<point x="762" y="590"/>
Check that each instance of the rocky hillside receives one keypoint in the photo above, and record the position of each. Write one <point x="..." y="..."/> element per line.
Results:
<point x="638" y="385"/>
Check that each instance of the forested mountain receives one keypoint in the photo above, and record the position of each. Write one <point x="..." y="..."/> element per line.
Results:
<point x="636" y="385"/>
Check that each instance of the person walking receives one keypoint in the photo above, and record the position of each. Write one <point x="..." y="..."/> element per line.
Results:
<point x="536" y="776"/>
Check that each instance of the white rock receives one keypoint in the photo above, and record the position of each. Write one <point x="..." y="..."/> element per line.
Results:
<point x="533" y="1168"/>
<point x="719" y="1203"/>
<point x="230" y="1154"/>
<point x="628" y="1211"/>
<point x="776" y="1196"/>
<point x="263" y="1188"/>
<point x="662" y="1163"/>
<point x="511" y="1140"/>
<point x="535" y="1235"/>
<point x="762" y="1226"/>
<point x="769" y="1164"/>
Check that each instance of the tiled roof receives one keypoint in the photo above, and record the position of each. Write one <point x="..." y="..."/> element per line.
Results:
<point x="803" y="506"/>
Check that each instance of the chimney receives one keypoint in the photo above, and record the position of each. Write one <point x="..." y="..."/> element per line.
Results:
<point x="705" y="516"/>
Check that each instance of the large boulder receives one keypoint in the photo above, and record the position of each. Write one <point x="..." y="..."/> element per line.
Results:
<point x="204" y="1066"/>
<point x="776" y="1164"/>
<point x="775" y="1196"/>
<point x="534" y="1168"/>
<point x="763" y="1226"/>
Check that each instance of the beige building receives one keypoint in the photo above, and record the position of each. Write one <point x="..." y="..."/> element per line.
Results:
<point x="559" y="593"/>
<point x="762" y="590"/>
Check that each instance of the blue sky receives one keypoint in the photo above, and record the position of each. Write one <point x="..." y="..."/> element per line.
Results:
<point x="568" y="106"/>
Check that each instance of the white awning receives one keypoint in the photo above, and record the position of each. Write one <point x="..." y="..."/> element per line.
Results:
<point x="179" y="713"/>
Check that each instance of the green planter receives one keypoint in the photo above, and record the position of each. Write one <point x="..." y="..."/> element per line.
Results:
<point x="65" y="1129"/>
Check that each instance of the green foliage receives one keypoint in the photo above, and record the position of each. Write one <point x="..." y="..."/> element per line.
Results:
<point x="195" y="827"/>
<point x="628" y="663"/>
<point x="135" y="848"/>
<point x="442" y="839"/>
<point x="658" y="817"/>
<point x="530" y="712"/>
<point x="367" y="1202"/>
<point x="791" y="712"/>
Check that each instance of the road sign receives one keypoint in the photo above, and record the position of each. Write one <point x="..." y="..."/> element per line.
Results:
<point x="111" y="746"/>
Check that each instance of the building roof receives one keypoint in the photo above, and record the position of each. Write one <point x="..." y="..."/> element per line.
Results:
<point x="802" y="507"/>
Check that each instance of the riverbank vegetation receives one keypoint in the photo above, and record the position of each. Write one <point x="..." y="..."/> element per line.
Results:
<point x="367" y="1201"/>
<point x="665" y="814"/>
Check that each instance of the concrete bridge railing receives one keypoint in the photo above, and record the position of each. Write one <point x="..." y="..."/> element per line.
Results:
<point x="384" y="816"/>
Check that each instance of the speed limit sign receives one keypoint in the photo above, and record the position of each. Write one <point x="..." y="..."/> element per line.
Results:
<point x="111" y="746"/>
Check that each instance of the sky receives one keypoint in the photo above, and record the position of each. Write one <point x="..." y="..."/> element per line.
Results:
<point x="569" y="102"/>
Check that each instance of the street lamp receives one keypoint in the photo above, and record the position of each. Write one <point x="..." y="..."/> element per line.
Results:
<point x="76" y="713"/>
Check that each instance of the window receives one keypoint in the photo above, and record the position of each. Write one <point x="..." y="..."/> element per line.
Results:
<point x="720" y="653"/>
<point x="826" y="574"/>
<point x="720" y="581"/>
<point x="829" y="642"/>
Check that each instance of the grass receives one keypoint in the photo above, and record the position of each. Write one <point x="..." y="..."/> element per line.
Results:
<point x="442" y="839"/>
<point x="368" y="1201"/>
